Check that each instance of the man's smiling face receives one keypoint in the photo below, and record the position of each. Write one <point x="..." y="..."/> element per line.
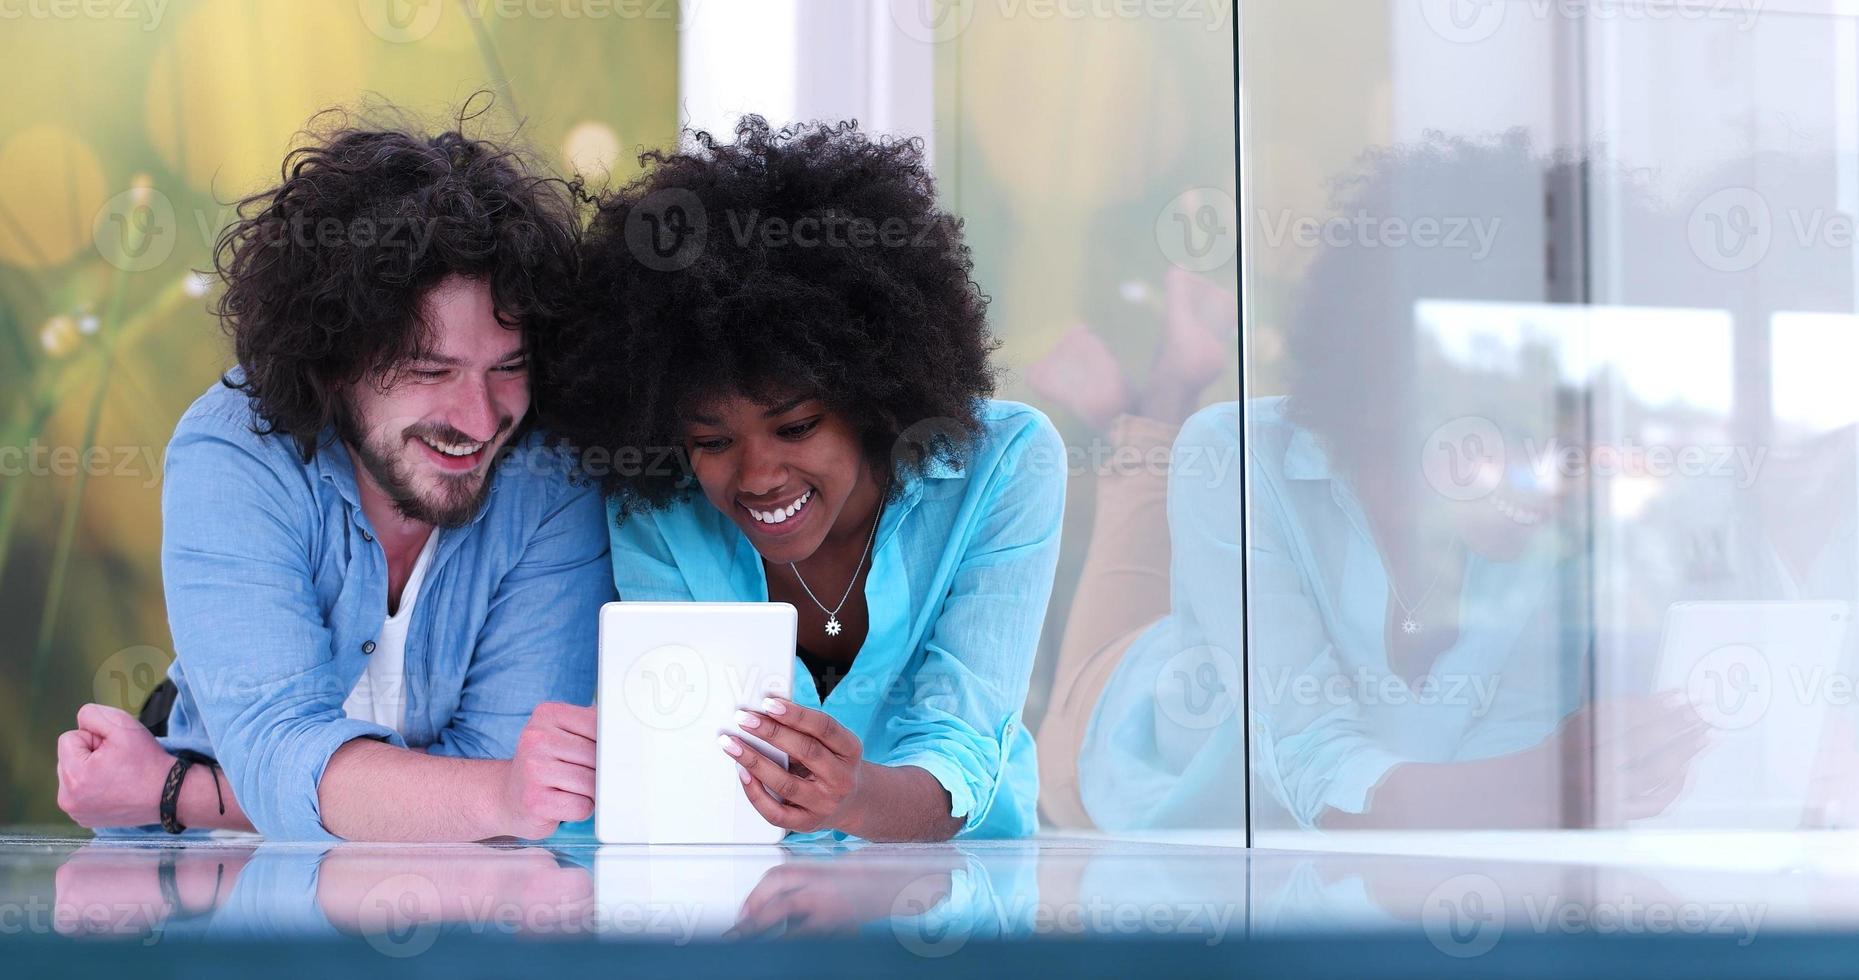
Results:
<point x="427" y="431"/>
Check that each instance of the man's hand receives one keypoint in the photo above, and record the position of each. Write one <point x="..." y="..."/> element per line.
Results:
<point x="110" y="770"/>
<point x="550" y="781"/>
<point x="819" y="789"/>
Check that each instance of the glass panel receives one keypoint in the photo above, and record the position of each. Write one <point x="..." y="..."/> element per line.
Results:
<point x="1550" y="452"/>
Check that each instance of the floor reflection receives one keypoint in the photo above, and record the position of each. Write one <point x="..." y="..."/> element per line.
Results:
<point x="930" y="901"/>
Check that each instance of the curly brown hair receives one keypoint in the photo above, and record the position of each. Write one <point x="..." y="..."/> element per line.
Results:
<point x="808" y="260"/>
<point x="326" y="273"/>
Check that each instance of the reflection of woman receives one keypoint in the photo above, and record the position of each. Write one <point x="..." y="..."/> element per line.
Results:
<point x="1411" y="649"/>
<point x="818" y="372"/>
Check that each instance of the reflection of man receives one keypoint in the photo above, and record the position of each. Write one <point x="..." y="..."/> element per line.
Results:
<point x="375" y="573"/>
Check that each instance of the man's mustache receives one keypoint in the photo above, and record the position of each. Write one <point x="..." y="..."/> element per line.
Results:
<point x="440" y="432"/>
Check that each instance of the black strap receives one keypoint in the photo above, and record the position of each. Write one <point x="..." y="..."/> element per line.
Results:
<point x="171" y="789"/>
<point x="171" y="794"/>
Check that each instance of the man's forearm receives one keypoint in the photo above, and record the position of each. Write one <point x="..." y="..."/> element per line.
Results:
<point x="374" y="791"/>
<point x="199" y="802"/>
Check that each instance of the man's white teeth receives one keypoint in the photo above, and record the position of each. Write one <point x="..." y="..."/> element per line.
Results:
<point x="781" y="516"/>
<point x="453" y="448"/>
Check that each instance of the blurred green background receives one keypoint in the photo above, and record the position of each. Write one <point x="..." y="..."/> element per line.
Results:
<point x="1065" y="143"/>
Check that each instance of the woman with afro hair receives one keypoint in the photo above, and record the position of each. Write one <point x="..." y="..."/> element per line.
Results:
<point x="781" y="379"/>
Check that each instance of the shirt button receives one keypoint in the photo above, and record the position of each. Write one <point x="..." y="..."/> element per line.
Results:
<point x="365" y="536"/>
<point x="368" y="647"/>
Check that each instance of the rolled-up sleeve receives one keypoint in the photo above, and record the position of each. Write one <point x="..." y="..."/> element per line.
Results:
<point x="539" y="638"/>
<point x="1313" y="753"/>
<point x="246" y="623"/>
<point x="967" y="695"/>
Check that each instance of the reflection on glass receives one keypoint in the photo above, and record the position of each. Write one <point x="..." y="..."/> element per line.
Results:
<point x="1549" y="515"/>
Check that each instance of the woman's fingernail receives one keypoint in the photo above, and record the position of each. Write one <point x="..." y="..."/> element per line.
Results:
<point x="773" y="707"/>
<point x="746" y="720"/>
<point x="742" y="774"/>
<point x="729" y="745"/>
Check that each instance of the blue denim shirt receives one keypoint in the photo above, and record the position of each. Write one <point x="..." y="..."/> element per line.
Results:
<point x="276" y="590"/>
<point x="960" y="576"/>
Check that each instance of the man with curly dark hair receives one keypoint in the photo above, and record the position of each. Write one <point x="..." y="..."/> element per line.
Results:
<point x="379" y="579"/>
<point x="781" y="380"/>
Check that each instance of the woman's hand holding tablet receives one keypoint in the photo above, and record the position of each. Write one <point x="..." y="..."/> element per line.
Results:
<point x="818" y="789"/>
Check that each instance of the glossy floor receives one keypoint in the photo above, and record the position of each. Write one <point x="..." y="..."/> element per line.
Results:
<point x="1507" y="902"/>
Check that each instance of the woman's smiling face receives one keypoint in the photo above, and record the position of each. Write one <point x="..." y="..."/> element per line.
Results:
<point x="784" y="472"/>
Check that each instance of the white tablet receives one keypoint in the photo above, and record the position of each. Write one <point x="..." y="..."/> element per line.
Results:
<point x="1752" y="670"/>
<point x="672" y="676"/>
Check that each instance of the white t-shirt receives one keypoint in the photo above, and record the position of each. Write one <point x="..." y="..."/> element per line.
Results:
<point x="380" y="693"/>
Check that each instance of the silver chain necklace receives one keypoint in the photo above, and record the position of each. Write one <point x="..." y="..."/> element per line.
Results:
<point x="832" y="615"/>
<point x="1409" y="624"/>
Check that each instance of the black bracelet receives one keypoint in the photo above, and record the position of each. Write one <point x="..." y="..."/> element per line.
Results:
<point x="171" y="794"/>
<point x="212" y="764"/>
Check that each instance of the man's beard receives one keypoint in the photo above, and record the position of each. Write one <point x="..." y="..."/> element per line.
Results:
<point x="460" y="495"/>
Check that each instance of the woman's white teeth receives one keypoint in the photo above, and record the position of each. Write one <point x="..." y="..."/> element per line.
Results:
<point x="1517" y="512"/>
<point x="780" y="516"/>
<point x="453" y="448"/>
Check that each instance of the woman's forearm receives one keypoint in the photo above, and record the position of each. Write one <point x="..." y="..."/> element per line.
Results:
<point x="902" y="803"/>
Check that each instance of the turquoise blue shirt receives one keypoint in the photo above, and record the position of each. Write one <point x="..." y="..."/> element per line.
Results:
<point x="960" y="575"/>
<point x="1328" y="716"/>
